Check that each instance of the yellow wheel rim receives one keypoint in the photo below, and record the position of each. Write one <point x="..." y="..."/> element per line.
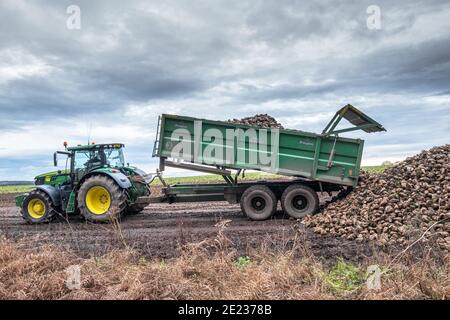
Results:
<point x="98" y="200"/>
<point x="36" y="208"/>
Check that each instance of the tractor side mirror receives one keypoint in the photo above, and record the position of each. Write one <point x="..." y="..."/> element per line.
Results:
<point x="55" y="156"/>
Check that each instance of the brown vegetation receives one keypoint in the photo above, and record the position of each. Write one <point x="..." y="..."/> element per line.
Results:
<point x="211" y="270"/>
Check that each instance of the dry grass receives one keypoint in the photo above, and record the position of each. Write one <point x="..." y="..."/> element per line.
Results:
<point x="210" y="270"/>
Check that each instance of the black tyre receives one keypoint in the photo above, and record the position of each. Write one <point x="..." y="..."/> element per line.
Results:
<point x="258" y="203"/>
<point x="38" y="208"/>
<point x="299" y="200"/>
<point x="100" y="199"/>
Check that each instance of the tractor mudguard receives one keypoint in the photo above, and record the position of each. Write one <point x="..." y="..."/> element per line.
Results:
<point x="52" y="192"/>
<point x="121" y="179"/>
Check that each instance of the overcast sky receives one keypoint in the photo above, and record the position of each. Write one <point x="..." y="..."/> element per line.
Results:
<point x="297" y="61"/>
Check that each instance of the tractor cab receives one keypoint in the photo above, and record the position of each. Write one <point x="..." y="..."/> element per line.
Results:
<point x="95" y="183"/>
<point x="85" y="159"/>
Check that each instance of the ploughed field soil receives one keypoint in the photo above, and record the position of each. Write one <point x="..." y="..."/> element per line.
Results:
<point x="161" y="229"/>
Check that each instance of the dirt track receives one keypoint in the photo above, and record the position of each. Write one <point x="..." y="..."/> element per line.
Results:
<point x="159" y="231"/>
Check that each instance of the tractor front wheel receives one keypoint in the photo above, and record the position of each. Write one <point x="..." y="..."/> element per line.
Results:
<point x="100" y="199"/>
<point x="37" y="208"/>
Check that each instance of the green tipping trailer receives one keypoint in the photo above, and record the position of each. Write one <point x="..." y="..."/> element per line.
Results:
<point x="316" y="162"/>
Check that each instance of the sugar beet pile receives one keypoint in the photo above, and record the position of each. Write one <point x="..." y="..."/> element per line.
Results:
<point x="406" y="201"/>
<point x="260" y="120"/>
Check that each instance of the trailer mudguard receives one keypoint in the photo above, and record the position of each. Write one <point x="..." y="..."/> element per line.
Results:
<point x="52" y="192"/>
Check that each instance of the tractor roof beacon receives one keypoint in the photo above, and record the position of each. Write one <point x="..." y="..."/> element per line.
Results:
<point x="96" y="183"/>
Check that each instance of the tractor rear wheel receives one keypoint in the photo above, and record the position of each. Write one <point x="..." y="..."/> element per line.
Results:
<point x="299" y="200"/>
<point x="38" y="208"/>
<point x="100" y="199"/>
<point x="258" y="203"/>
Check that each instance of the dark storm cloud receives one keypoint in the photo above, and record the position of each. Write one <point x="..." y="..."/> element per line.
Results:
<point x="122" y="53"/>
<point x="35" y="98"/>
<point x="421" y="69"/>
<point x="126" y="52"/>
<point x="219" y="56"/>
<point x="277" y="24"/>
<point x="141" y="84"/>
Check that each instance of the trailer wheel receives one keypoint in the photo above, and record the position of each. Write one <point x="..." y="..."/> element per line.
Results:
<point x="100" y="199"/>
<point x="299" y="200"/>
<point x="258" y="203"/>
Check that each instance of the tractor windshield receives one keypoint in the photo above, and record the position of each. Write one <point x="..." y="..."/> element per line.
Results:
<point x="88" y="159"/>
<point x="114" y="157"/>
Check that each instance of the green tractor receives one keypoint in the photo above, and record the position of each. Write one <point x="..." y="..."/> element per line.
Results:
<point x="97" y="184"/>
